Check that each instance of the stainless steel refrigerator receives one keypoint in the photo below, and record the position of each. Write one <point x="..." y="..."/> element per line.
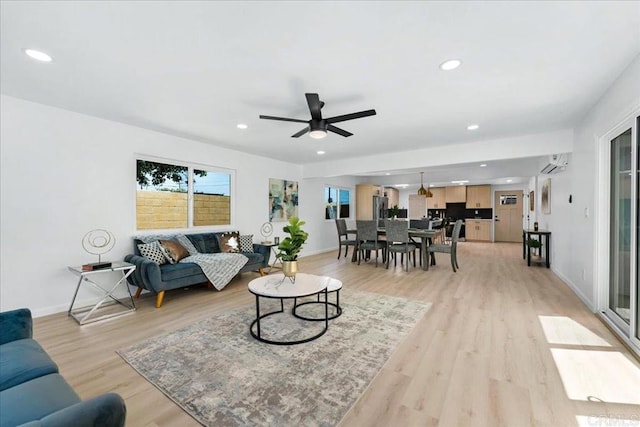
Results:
<point x="380" y="207"/>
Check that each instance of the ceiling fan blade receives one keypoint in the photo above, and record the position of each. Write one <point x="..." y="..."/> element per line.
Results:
<point x="351" y="116"/>
<point x="314" y="105"/>
<point x="284" y="119"/>
<point x="339" y="131"/>
<point x="299" y="134"/>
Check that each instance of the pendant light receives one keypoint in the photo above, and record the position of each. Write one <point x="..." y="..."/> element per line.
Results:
<point x="421" y="190"/>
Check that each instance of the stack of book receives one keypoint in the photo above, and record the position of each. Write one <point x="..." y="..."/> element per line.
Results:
<point x="96" y="266"/>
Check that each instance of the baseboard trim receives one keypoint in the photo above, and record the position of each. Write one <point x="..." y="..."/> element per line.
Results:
<point x="575" y="290"/>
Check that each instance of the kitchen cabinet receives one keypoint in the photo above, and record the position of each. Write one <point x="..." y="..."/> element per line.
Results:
<point x="393" y="195"/>
<point x="456" y="194"/>
<point x="364" y="199"/>
<point x="478" y="197"/>
<point x="478" y="229"/>
<point x="438" y="201"/>
<point x="417" y="206"/>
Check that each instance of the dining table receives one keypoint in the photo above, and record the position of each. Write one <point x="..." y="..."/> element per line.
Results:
<point x="424" y="235"/>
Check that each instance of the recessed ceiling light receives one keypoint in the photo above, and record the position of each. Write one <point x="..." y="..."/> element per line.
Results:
<point x="387" y="173"/>
<point x="472" y="127"/>
<point x="451" y="64"/>
<point x="241" y="126"/>
<point x="509" y="180"/>
<point x="401" y="185"/>
<point x="462" y="181"/>
<point x="320" y="152"/>
<point x="37" y="55"/>
<point x="484" y="165"/>
<point x="431" y="185"/>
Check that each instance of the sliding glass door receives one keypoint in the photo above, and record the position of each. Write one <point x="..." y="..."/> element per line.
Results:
<point x="636" y="268"/>
<point x="623" y="293"/>
<point x="620" y="228"/>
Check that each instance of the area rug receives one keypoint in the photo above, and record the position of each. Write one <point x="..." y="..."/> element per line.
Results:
<point x="218" y="373"/>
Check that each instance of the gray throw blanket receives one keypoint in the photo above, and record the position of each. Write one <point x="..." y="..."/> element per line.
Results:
<point x="219" y="268"/>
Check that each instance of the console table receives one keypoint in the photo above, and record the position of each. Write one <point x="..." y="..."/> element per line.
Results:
<point x="542" y="235"/>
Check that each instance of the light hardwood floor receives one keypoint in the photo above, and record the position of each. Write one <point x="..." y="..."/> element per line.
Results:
<point x="503" y="344"/>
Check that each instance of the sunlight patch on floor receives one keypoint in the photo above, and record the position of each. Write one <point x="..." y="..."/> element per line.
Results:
<point x="564" y="330"/>
<point x="599" y="376"/>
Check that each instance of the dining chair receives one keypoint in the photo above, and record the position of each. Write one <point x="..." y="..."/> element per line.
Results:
<point x="343" y="238"/>
<point x="448" y="248"/>
<point x="368" y="239"/>
<point x="398" y="241"/>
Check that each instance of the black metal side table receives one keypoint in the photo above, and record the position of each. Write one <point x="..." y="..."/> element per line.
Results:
<point x="542" y="235"/>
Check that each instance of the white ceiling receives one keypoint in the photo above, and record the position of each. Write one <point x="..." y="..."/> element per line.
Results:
<point x="196" y="69"/>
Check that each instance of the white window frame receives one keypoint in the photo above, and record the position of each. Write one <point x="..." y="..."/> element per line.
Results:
<point x="190" y="168"/>
<point x="338" y="188"/>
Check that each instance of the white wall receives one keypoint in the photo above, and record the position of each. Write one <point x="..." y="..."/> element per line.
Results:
<point x="322" y="233"/>
<point x="521" y="146"/>
<point x="63" y="174"/>
<point x="574" y="237"/>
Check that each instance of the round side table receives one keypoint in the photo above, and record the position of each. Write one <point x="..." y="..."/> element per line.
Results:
<point x="334" y="286"/>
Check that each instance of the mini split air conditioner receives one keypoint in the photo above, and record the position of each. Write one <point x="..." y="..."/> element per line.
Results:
<point x="557" y="163"/>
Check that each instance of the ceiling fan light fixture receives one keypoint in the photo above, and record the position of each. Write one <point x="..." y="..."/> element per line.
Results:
<point x="318" y="134"/>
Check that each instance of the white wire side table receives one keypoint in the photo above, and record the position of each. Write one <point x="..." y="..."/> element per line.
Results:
<point x="83" y="315"/>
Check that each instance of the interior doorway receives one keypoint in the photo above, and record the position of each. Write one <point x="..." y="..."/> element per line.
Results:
<point x="508" y="216"/>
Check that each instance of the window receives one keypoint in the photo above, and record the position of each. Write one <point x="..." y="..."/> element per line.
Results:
<point x="509" y="199"/>
<point x="170" y="195"/>
<point x="337" y="203"/>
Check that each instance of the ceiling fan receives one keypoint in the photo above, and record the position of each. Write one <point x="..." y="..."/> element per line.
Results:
<point x="317" y="126"/>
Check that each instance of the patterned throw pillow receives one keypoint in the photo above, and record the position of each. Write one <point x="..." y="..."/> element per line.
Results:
<point x="173" y="251"/>
<point x="246" y="243"/>
<point x="229" y="242"/>
<point x="153" y="251"/>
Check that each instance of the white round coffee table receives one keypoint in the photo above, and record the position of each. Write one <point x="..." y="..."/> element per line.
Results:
<point x="277" y="286"/>
<point x="334" y="286"/>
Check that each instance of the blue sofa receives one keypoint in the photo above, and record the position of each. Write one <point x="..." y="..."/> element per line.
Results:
<point x="33" y="393"/>
<point x="160" y="278"/>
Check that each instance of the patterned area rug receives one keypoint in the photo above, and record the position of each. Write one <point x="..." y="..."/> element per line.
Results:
<point x="222" y="376"/>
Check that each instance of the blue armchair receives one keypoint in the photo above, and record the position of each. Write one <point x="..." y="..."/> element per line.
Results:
<point x="33" y="393"/>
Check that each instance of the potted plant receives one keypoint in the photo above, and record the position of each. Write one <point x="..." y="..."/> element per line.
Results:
<point x="290" y="246"/>
<point x="534" y="244"/>
<point x="394" y="212"/>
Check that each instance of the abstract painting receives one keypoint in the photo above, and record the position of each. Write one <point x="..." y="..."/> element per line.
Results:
<point x="545" y="203"/>
<point x="283" y="199"/>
